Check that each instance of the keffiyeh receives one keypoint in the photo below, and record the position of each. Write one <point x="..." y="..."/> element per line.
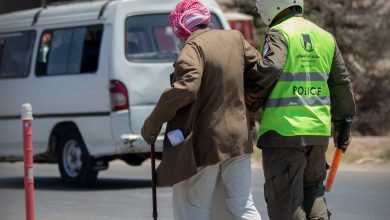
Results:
<point x="187" y="15"/>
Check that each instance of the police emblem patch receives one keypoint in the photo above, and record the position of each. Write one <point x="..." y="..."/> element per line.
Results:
<point x="306" y="42"/>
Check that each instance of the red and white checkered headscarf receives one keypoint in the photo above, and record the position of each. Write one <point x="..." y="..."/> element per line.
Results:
<point x="187" y="15"/>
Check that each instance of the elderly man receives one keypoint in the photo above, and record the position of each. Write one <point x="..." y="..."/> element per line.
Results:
<point x="209" y="79"/>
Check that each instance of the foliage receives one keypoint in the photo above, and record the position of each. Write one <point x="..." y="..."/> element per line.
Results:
<point x="247" y="7"/>
<point x="362" y="31"/>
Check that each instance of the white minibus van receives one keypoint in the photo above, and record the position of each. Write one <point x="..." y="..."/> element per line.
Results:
<point x="92" y="72"/>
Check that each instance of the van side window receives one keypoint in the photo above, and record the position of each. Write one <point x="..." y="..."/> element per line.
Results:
<point x="150" y="38"/>
<point x="69" y="51"/>
<point x="15" y="53"/>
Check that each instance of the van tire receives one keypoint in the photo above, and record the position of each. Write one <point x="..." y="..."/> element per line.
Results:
<point x="134" y="159"/>
<point x="74" y="162"/>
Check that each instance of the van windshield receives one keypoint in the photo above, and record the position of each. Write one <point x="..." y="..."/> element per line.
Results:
<point x="150" y="38"/>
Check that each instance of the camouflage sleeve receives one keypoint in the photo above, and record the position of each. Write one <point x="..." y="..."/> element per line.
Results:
<point x="274" y="52"/>
<point x="267" y="70"/>
<point x="341" y="93"/>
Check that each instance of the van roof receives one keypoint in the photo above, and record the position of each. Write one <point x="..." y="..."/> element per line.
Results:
<point x="78" y="11"/>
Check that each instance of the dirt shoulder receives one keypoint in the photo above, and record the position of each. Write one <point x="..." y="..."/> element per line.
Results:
<point x="370" y="151"/>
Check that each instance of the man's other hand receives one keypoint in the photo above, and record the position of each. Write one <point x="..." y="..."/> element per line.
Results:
<point x="346" y="143"/>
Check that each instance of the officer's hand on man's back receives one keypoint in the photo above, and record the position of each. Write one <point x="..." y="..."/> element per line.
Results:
<point x="254" y="100"/>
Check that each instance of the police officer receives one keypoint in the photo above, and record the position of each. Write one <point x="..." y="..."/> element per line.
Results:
<point x="305" y="85"/>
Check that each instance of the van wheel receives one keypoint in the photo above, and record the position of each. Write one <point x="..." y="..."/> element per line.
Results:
<point x="74" y="162"/>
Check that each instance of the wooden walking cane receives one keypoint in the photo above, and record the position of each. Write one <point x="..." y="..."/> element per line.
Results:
<point x="154" y="183"/>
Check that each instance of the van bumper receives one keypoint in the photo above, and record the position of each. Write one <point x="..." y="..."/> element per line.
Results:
<point x="134" y="143"/>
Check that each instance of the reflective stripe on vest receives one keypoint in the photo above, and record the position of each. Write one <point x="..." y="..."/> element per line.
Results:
<point x="297" y="101"/>
<point x="290" y="77"/>
<point x="299" y="104"/>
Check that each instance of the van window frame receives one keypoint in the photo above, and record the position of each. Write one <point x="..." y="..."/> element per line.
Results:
<point x="30" y="60"/>
<point x="213" y="15"/>
<point x="66" y="28"/>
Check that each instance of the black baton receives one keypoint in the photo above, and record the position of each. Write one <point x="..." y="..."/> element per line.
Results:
<point x="154" y="185"/>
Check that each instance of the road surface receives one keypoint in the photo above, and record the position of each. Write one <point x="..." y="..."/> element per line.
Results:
<point x="124" y="192"/>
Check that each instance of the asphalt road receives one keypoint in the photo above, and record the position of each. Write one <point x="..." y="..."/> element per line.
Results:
<point x="124" y="192"/>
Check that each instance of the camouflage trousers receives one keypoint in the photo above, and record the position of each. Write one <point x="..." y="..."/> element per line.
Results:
<point x="294" y="188"/>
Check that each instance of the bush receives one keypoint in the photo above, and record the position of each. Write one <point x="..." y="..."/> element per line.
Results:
<point x="362" y="30"/>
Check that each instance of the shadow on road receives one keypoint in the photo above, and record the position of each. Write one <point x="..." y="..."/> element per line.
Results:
<point x="54" y="183"/>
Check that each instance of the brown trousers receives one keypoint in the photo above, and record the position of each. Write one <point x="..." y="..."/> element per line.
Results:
<point x="293" y="186"/>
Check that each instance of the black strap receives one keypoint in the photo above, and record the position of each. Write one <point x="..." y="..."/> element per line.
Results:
<point x="103" y="8"/>
<point x="36" y="16"/>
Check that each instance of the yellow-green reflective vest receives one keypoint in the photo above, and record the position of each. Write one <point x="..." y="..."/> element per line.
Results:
<point x="300" y="102"/>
